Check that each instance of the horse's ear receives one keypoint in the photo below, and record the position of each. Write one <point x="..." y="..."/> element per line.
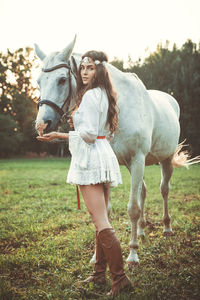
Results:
<point x="39" y="52"/>
<point x="65" y="54"/>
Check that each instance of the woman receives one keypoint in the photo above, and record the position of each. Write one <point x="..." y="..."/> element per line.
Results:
<point x="94" y="166"/>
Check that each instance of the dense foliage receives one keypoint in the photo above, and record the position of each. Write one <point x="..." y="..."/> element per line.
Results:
<point x="17" y="108"/>
<point x="176" y="71"/>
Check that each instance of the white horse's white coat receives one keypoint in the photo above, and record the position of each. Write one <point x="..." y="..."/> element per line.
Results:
<point x="148" y="132"/>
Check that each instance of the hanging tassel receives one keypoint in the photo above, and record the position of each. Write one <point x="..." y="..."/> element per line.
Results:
<point x="78" y="198"/>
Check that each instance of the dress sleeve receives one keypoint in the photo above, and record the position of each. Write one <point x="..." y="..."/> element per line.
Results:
<point x="80" y="150"/>
<point x="90" y="111"/>
<point x="80" y="141"/>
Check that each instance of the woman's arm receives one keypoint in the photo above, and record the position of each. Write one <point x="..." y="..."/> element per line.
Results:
<point x="52" y="136"/>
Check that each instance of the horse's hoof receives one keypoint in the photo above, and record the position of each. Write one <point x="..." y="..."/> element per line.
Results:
<point x="142" y="235"/>
<point x="141" y="232"/>
<point x="132" y="265"/>
<point x="168" y="233"/>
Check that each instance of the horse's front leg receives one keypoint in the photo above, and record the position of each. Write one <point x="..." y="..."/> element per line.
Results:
<point x="107" y="200"/>
<point x="134" y="209"/>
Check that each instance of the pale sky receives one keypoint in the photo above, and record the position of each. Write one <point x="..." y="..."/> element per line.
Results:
<point x="118" y="27"/>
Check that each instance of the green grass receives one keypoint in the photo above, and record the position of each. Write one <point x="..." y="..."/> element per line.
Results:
<point x="46" y="243"/>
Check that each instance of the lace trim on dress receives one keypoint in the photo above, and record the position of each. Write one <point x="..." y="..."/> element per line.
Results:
<point x="86" y="177"/>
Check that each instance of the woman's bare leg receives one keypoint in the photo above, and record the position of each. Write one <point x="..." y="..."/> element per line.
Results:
<point x="106" y="196"/>
<point x="95" y="202"/>
<point x="107" y="243"/>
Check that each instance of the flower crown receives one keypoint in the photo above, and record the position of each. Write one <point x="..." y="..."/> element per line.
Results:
<point x="87" y="60"/>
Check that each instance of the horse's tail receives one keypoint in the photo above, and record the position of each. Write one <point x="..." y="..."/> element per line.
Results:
<point x="183" y="158"/>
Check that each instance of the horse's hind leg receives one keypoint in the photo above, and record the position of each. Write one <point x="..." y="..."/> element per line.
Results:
<point x="142" y="221"/>
<point x="166" y="172"/>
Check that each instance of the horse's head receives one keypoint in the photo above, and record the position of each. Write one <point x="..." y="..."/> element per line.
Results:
<point x="57" y="83"/>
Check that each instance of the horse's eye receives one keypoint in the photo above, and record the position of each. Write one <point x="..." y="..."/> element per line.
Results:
<point x="62" y="80"/>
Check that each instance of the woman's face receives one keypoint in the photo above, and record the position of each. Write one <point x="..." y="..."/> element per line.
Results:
<point x="88" y="70"/>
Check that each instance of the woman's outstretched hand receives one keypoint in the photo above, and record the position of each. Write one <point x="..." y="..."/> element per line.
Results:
<point x="52" y="136"/>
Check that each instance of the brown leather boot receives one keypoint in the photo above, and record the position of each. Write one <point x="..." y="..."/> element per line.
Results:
<point x="98" y="276"/>
<point x="112" y="250"/>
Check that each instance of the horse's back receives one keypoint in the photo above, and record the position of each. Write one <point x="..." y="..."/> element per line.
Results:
<point x="163" y="99"/>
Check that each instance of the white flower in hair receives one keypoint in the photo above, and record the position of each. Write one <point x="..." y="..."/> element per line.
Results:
<point x="87" y="60"/>
<point x="97" y="62"/>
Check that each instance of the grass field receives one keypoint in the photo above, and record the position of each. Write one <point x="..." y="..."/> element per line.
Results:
<point x="46" y="243"/>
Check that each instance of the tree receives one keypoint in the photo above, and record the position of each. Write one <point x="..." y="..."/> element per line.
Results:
<point x="17" y="107"/>
<point x="9" y="135"/>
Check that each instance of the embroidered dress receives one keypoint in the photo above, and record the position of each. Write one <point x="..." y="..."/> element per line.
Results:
<point x="93" y="160"/>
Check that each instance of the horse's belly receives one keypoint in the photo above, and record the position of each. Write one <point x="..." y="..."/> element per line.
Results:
<point x="152" y="160"/>
<point x="164" y="144"/>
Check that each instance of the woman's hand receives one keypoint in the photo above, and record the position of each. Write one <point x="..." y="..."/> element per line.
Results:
<point x="71" y="123"/>
<point x="52" y="136"/>
<point x="41" y="127"/>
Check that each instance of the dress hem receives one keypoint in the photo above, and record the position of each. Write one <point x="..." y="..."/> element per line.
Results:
<point x="93" y="183"/>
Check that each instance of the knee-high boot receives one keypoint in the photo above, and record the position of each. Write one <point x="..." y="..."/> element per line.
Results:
<point x="112" y="250"/>
<point x="98" y="276"/>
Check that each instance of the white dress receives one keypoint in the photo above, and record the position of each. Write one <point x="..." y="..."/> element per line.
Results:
<point x="93" y="160"/>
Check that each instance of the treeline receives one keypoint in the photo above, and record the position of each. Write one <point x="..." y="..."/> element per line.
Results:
<point x="175" y="71"/>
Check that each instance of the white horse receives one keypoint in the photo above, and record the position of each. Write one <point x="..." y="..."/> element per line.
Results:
<point x="148" y="130"/>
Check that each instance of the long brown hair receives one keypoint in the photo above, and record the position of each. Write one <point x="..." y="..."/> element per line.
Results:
<point x="101" y="79"/>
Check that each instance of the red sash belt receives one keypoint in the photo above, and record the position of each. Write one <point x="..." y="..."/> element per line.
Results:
<point x="101" y="137"/>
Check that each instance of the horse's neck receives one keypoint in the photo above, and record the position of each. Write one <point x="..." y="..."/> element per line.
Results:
<point x="119" y="78"/>
<point x="115" y="73"/>
<point x="128" y="88"/>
